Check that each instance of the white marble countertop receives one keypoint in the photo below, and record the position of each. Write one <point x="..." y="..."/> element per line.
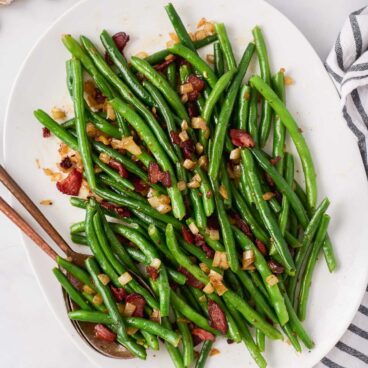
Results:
<point x="30" y="336"/>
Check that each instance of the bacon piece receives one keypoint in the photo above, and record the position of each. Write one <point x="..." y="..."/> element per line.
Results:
<point x="120" y="211"/>
<point x="139" y="303"/>
<point x="153" y="273"/>
<point x="117" y="166"/>
<point x="275" y="160"/>
<point x="240" y="138"/>
<point x="66" y="163"/>
<point x="193" y="96"/>
<point x="202" y="334"/>
<point x="192" y="108"/>
<point x="200" y="242"/>
<point x="120" y="39"/>
<point x="242" y="225"/>
<point x="187" y="147"/>
<point x="269" y="180"/>
<point x="155" y="175"/>
<point x="175" y="139"/>
<point x="71" y="184"/>
<point x="261" y="247"/>
<point x="103" y="333"/>
<point x="46" y="132"/>
<point x="275" y="266"/>
<point x="187" y="235"/>
<point x="99" y="97"/>
<point x="119" y="293"/>
<point x="197" y="83"/>
<point x="212" y="223"/>
<point x="191" y="280"/>
<point x="217" y="317"/>
<point x="162" y="66"/>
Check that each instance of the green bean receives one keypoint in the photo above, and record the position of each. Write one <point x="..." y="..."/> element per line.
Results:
<point x="173" y="351"/>
<point x="243" y="110"/>
<point x="162" y="84"/>
<point x="203" y="355"/>
<point x="188" y="349"/>
<point x="295" y="134"/>
<point x="139" y="240"/>
<point x="164" y="291"/>
<point x="245" y="187"/>
<point x="80" y="122"/>
<point x="264" y="210"/>
<point x="147" y="136"/>
<point x="225" y="182"/>
<point x="198" y="64"/>
<point x="181" y="258"/>
<point x="260" y="337"/>
<point x="77" y="272"/>
<point x="250" y="314"/>
<point x="226" y="111"/>
<point x="216" y="93"/>
<point x="247" y="215"/>
<point x="219" y="59"/>
<point x="292" y="241"/>
<point x="160" y="56"/>
<point x="129" y="97"/>
<point x="117" y="319"/>
<point x="295" y="324"/>
<point x="126" y="162"/>
<point x="289" y="178"/>
<point x="266" y="114"/>
<point x="200" y="298"/>
<point x="253" y="115"/>
<point x="206" y="190"/>
<point x="147" y="220"/>
<point x="151" y="340"/>
<point x="261" y="264"/>
<point x="226" y="231"/>
<point x="279" y="129"/>
<point x="197" y="205"/>
<point x="258" y="282"/>
<point x="247" y="339"/>
<point x="234" y="283"/>
<point x="256" y="295"/>
<point x="282" y="185"/>
<point x="179" y="27"/>
<point x="190" y="299"/>
<point x="293" y="338"/>
<point x="233" y="330"/>
<point x="306" y="281"/>
<point x="78" y="239"/>
<point x="329" y="254"/>
<point x="74" y="294"/>
<point x="99" y="308"/>
<point x="188" y="312"/>
<point x="171" y="74"/>
<point x="225" y="46"/>
<point x="122" y="65"/>
<point x="102" y="124"/>
<point x="304" y="250"/>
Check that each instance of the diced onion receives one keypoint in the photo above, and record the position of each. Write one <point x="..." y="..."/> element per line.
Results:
<point x="208" y="289"/>
<point x="272" y="280"/>
<point x="248" y="259"/>
<point x="156" y="263"/>
<point x="129" y="309"/>
<point x="125" y="278"/>
<point x="181" y="185"/>
<point x="202" y="299"/>
<point x="184" y="125"/>
<point x="219" y="287"/>
<point x="235" y="154"/>
<point x="193" y="228"/>
<point x="213" y="234"/>
<point x="223" y="192"/>
<point x="268" y="195"/>
<point x="128" y="144"/>
<point x="220" y="260"/>
<point x="198" y="123"/>
<point x="199" y="148"/>
<point x="104" y="278"/>
<point x="186" y="88"/>
<point x="131" y="330"/>
<point x="215" y="276"/>
<point x="193" y="184"/>
<point x="97" y="299"/>
<point x="155" y="316"/>
<point x="188" y="164"/>
<point x="204" y="268"/>
<point x="183" y="135"/>
<point x="88" y="290"/>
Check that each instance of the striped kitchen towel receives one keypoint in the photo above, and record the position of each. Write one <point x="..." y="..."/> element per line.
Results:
<point x="347" y="65"/>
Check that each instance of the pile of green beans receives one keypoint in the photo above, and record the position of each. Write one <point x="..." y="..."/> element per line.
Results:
<point x="199" y="220"/>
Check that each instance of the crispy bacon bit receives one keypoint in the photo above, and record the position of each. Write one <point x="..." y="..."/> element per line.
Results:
<point x="191" y="280"/>
<point x="120" y="211"/>
<point x="275" y="160"/>
<point x="119" y="293"/>
<point x="269" y="180"/>
<point x="99" y="97"/>
<point x="240" y="138"/>
<point x="193" y="96"/>
<point x="120" y="39"/>
<point x="200" y="242"/>
<point x="103" y="333"/>
<point x="242" y="225"/>
<point x="197" y="83"/>
<point x="212" y="223"/>
<point x="187" y="235"/>
<point x="162" y="66"/>
<point x="217" y="317"/>
<point x="275" y="266"/>
<point x="117" y="166"/>
<point x="139" y="185"/>
<point x="66" y="163"/>
<point x="261" y="247"/>
<point x="155" y="175"/>
<point x="71" y="184"/>
<point x="46" y="132"/>
<point x="202" y="334"/>
<point x="153" y="273"/>
<point x="139" y="303"/>
<point x="192" y="109"/>
<point x="175" y="139"/>
<point x="187" y="146"/>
